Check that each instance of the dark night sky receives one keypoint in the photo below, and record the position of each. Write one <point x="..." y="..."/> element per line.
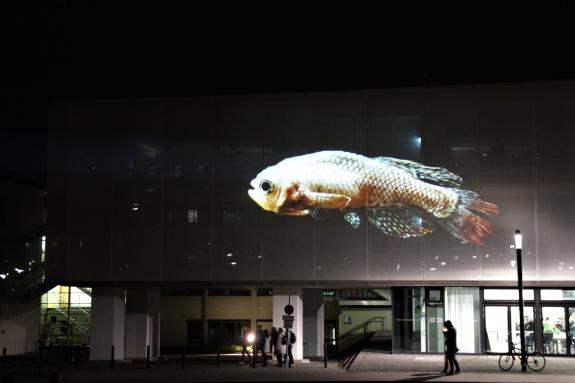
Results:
<point x="71" y="57"/>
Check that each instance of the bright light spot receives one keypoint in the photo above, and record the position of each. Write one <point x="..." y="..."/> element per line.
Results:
<point x="512" y="246"/>
<point x="436" y="257"/>
<point x="456" y="257"/>
<point x="474" y="257"/>
<point x="418" y="140"/>
<point x="432" y="269"/>
<point x="486" y="255"/>
<point x="19" y="271"/>
<point x="135" y="208"/>
<point x="512" y="263"/>
<point x="229" y="254"/>
<point x="233" y="263"/>
<point x="442" y="263"/>
<point x="398" y="267"/>
<point x="259" y="257"/>
<point x="3" y="276"/>
<point x="251" y="338"/>
<point x="560" y="268"/>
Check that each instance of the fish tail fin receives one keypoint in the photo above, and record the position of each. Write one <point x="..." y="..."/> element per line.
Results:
<point x="467" y="222"/>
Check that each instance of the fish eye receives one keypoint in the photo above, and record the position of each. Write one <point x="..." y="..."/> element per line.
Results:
<point x="266" y="186"/>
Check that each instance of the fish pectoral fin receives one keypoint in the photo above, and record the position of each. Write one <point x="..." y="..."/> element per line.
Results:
<point x="326" y="200"/>
<point x="353" y="218"/>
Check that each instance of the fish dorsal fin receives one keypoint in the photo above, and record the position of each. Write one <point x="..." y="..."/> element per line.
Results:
<point x="436" y="175"/>
<point x="400" y="222"/>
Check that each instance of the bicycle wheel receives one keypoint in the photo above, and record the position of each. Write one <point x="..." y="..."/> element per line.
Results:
<point x="506" y="361"/>
<point x="535" y="361"/>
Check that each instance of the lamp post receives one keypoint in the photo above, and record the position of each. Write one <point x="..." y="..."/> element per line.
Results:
<point x="518" y="247"/>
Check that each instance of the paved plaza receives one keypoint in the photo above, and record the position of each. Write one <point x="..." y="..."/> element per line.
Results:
<point x="367" y="367"/>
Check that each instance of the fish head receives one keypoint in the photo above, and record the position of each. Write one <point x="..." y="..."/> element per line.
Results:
<point x="268" y="189"/>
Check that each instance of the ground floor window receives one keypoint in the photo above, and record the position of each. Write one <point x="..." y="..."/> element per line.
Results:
<point x="549" y="317"/>
<point x="65" y="316"/>
<point x="226" y="331"/>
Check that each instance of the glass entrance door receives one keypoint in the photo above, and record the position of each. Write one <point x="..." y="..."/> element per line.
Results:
<point x="502" y="324"/>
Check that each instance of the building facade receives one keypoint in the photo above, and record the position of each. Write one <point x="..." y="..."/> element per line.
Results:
<point x="414" y="191"/>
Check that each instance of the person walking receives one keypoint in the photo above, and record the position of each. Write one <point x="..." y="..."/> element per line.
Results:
<point x="451" y="349"/>
<point x="280" y="347"/>
<point x="245" y="342"/>
<point x="261" y="345"/>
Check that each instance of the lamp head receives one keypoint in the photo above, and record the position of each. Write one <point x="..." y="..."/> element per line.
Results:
<point x="518" y="240"/>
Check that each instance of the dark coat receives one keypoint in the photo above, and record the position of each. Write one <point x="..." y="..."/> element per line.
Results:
<point x="451" y="340"/>
<point x="260" y="339"/>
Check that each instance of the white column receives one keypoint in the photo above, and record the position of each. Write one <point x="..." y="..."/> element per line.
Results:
<point x="313" y="321"/>
<point x="142" y="323"/>
<point x="281" y="298"/>
<point x="108" y="316"/>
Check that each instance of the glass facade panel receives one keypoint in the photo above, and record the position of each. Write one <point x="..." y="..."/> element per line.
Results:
<point x="557" y="295"/>
<point x="529" y="327"/>
<point x="462" y="308"/>
<point x="66" y="316"/>
<point x="167" y="183"/>
<point x="572" y="330"/>
<point x="507" y="295"/>
<point x="496" y="329"/>
<point x="554" y="334"/>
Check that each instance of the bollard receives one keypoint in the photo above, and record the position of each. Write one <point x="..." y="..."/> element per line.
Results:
<point x="184" y="358"/>
<point x="254" y="350"/>
<point x="148" y="357"/>
<point x="112" y="358"/>
<point x="75" y="357"/>
<point x="4" y="359"/>
<point x="218" y="357"/>
<point x="39" y="360"/>
<point x="325" y="355"/>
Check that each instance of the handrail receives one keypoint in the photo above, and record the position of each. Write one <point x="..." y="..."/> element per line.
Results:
<point x="364" y="325"/>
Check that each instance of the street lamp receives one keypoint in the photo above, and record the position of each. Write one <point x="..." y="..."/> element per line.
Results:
<point x="518" y="247"/>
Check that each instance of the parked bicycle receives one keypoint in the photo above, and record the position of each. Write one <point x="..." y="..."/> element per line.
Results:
<point x="535" y="360"/>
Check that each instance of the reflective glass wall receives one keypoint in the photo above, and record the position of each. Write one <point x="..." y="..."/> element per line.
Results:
<point x="157" y="190"/>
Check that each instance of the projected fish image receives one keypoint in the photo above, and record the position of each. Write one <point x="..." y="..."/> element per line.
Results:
<point x="402" y="198"/>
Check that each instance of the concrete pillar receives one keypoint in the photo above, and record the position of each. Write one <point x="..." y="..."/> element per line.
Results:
<point x="204" y="317"/>
<point x="253" y="307"/>
<point x="281" y="297"/>
<point x="142" y="323"/>
<point x="313" y="321"/>
<point x="108" y="321"/>
<point x="20" y="326"/>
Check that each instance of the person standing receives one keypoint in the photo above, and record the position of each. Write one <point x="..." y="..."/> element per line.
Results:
<point x="261" y="345"/>
<point x="280" y="347"/>
<point x="245" y="343"/>
<point x="273" y="341"/>
<point x="451" y="349"/>
<point x="548" y="335"/>
<point x="290" y="344"/>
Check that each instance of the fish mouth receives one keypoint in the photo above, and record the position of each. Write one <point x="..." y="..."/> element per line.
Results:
<point x="258" y="198"/>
